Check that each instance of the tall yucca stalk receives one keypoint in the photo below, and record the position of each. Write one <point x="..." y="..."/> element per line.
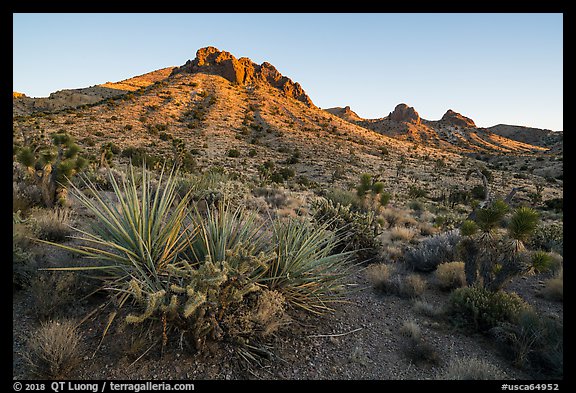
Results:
<point x="305" y="269"/>
<point x="140" y="234"/>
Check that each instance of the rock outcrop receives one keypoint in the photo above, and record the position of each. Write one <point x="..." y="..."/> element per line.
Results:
<point x="456" y="119"/>
<point x="242" y="71"/>
<point x="404" y="113"/>
<point x="344" y="113"/>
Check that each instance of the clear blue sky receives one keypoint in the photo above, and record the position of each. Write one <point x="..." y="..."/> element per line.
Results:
<point x="493" y="68"/>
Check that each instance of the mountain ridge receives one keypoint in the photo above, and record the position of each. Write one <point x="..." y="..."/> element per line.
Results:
<point x="454" y="131"/>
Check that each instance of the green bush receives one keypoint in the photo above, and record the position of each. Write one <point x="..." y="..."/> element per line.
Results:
<point x="360" y="229"/>
<point x="233" y="153"/>
<point x="482" y="309"/>
<point x="548" y="237"/>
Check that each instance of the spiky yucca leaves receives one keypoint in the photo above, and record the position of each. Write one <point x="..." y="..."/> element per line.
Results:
<point x="224" y="228"/>
<point x="492" y="259"/>
<point x="522" y="225"/>
<point x="51" y="165"/>
<point x="137" y="237"/>
<point x="306" y="269"/>
<point x="140" y="234"/>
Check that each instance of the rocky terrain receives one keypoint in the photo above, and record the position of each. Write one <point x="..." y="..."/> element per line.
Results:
<point x="246" y="131"/>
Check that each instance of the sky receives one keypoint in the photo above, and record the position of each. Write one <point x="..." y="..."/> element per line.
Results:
<point x="494" y="68"/>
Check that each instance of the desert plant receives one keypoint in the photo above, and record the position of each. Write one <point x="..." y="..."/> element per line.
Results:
<point x="412" y="286"/>
<point x="492" y="259"/>
<point x="233" y="153"/>
<point x="52" y="165"/>
<point x="306" y="269"/>
<point x="432" y="251"/>
<point x="402" y="234"/>
<point x="535" y="342"/>
<point x="361" y="229"/>
<point x="471" y="368"/>
<point x="548" y="237"/>
<point x="50" y="292"/>
<point x="416" y="347"/>
<point x="53" y="225"/>
<point x="450" y="275"/>
<point x="54" y="349"/>
<point x="482" y="309"/>
<point x="554" y="288"/>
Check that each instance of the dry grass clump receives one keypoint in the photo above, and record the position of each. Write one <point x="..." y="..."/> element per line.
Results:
<point x="416" y="347"/>
<point x="391" y="280"/>
<point x="554" y="288"/>
<point x="472" y="369"/>
<point x="413" y="286"/>
<point x="402" y="234"/>
<point x="427" y="309"/>
<point x="450" y="275"/>
<point x="51" y="291"/>
<point x="53" y="225"/>
<point x="54" y="349"/>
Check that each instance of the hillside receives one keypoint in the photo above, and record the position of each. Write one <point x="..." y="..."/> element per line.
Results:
<point x="73" y="98"/>
<point x="395" y="192"/>
<point x="454" y="132"/>
<point x="534" y="136"/>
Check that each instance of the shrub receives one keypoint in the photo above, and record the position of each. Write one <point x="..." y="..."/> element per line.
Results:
<point x="378" y="274"/>
<point x="548" y="237"/>
<point x="344" y="198"/>
<point x="556" y="204"/>
<point x="417" y="192"/>
<point x="402" y="234"/>
<point x="52" y="291"/>
<point x="543" y="261"/>
<point x="413" y="286"/>
<point x="54" y="349"/>
<point x="554" y="288"/>
<point x="416" y="347"/>
<point x="52" y="225"/>
<point x="23" y="260"/>
<point x="535" y="342"/>
<point x="450" y="275"/>
<point x="427" y="309"/>
<point x="471" y="368"/>
<point x="306" y="269"/>
<point x="390" y="280"/>
<point x="233" y="153"/>
<point x="483" y="309"/>
<point x="360" y="229"/>
<point x="478" y="192"/>
<point x="432" y="251"/>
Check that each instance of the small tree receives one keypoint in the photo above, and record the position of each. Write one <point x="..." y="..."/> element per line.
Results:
<point x="492" y="259"/>
<point x="51" y="165"/>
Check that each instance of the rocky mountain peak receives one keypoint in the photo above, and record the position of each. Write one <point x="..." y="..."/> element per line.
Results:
<point x="242" y="71"/>
<point x="456" y="119"/>
<point x="404" y="113"/>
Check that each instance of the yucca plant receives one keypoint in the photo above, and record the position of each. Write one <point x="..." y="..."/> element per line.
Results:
<point x="223" y="228"/>
<point x="491" y="258"/>
<point x="522" y="225"/>
<point x="306" y="269"/>
<point x="136" y="237"/>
